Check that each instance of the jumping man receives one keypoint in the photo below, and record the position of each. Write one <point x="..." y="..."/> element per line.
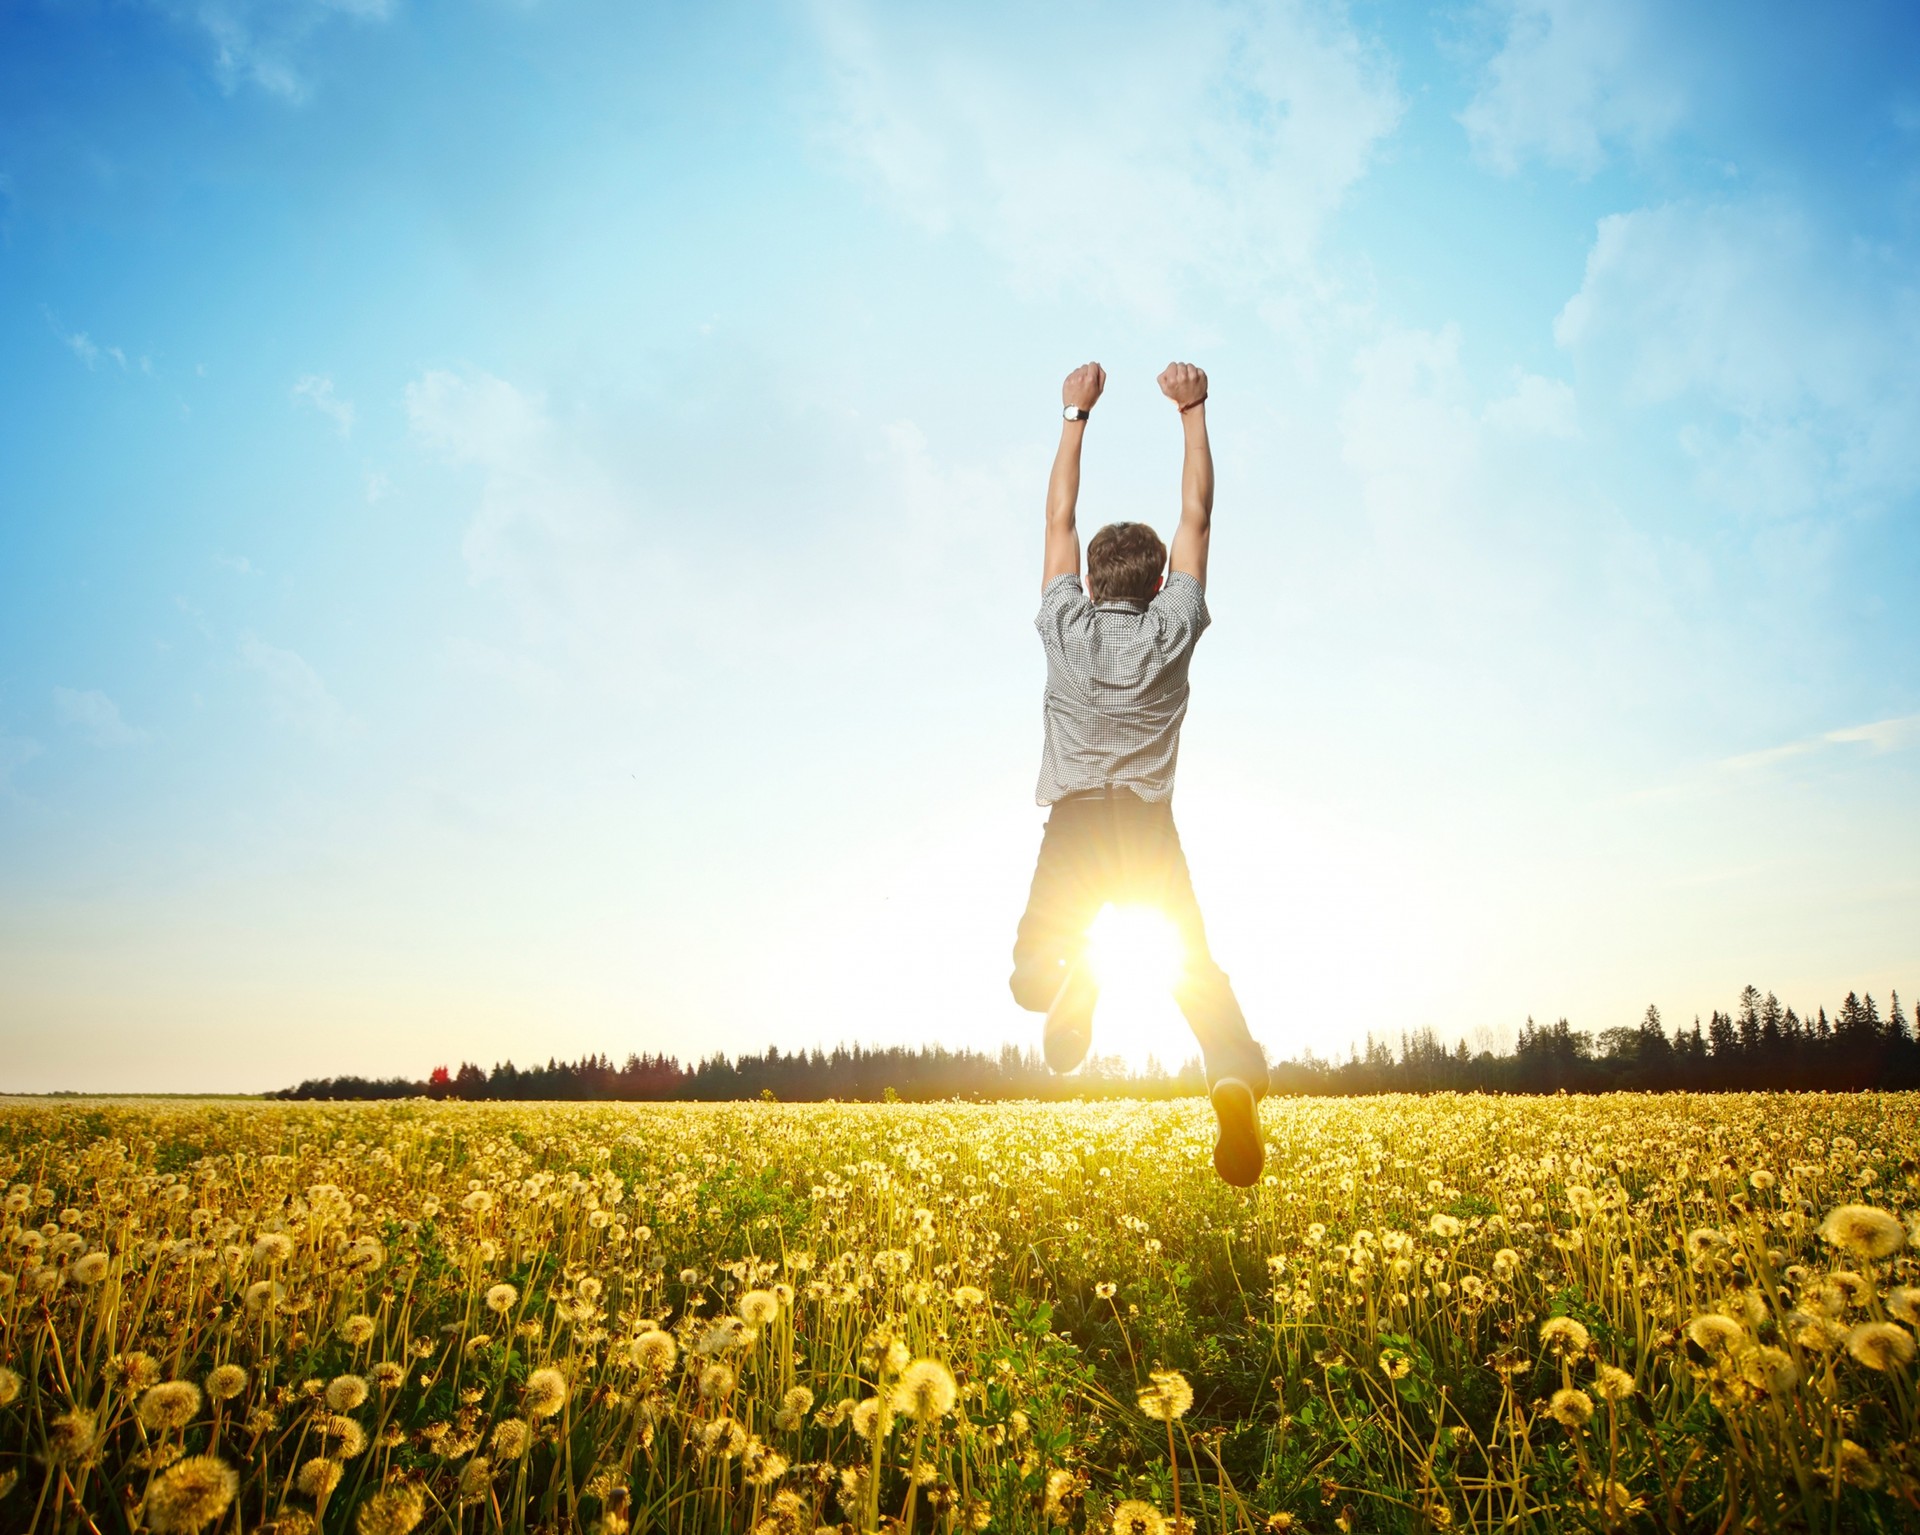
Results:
<point x="1116" y="695"/>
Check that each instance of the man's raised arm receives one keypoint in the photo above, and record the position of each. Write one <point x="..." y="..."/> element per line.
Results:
<point x="1186" y="386"/>
<point x="1081" y="389"/>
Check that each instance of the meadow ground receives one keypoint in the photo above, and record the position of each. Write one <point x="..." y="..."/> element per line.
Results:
<point x="1475" y="1313"/>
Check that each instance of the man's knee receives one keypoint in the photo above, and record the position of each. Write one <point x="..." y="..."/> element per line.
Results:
<point x="1035" y="986"/>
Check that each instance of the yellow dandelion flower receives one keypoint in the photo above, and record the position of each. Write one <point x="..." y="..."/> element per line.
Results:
<point x="1136" y="1518"/>
<point x="1864" y="1231"/>
<point x="501" y="1298"/>
<point x="190" y="1494"/>
<point x="226" y="1381"/>
<point x="391" y="1511"/>
<point x="171" y="1404"/>
<point x="1167" y="1396"/>
<point x="1880" y="1345"/>
<point x="924" y="1391"/>
<point x="346" y="1392"/>
<point x="511" y="1436"/>
<point x="1716" y="1333"/>
<point x="545" y="1393"/>
<point x="1570" y="1407"/>
<point x="318" y="1477"/>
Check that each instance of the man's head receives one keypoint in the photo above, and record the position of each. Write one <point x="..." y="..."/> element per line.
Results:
<point x="1124" y="563"/>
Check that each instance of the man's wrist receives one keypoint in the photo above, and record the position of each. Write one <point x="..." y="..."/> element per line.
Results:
<point x="1193" y="405"/>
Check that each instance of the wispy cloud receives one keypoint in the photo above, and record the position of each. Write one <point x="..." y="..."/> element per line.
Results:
<point x="1791" y="355"/>
<point x="1878" y="736"/>
<point x="317" y="390"/>
<point x="262" y="42"/>
<point x="296" y="695"/>
<point x="1571" y="81"/>
<point x="239" y="564"/>
<point x="95" y="716"/>
<point x="1207" y="146"/>
<point x="15" y="753"/>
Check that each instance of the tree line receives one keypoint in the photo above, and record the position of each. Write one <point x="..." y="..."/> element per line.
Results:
<point x="1761" y="1045"/>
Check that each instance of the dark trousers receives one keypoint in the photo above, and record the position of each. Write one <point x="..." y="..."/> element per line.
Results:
<point x="1114" y="846"/>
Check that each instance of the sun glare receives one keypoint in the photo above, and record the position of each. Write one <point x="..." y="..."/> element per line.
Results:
<point x="1137" y="957"/>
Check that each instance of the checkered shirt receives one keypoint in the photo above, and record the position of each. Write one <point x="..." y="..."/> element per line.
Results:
<point x="1116" y="686"/>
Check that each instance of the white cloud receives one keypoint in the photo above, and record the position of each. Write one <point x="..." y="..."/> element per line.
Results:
<point x="83" y="347"/>
<point x="1572" y="79"/>
<point x="1878" y="736"/>
<point x="15" y="753"/>
<point x="1538" y="407"/>
<point x="1790" y="359"/>
<point x="259" y="42"/>
<point x="1203" y="147"/>
<point x="296" y="696"/>
<point x="317" y="390"/>
<point x="239" y="564"/>
<point x="95" y="716"/>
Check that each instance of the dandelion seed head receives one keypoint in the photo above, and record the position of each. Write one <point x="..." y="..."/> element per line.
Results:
<point x="226" y="1381"/>
<point x="1864" y="1231"/>
<point x="1166" y="1396"/>
<point x="346" y="1392"/>
<point x="1881" y="1345"/>
<point x="391" y="1511"/>
<point x="924" y="1391"/>
<point x="171" y="1404"/>
<point x="318" y="1477"/>
<point x="545" y="1393"/>
<point x="510" y="1439"/>
<point x="501" y="1298"/>
<point x="1134" y="1517"/>
<point x="190" y="1494"/>
<point x="1570" y="1407"/>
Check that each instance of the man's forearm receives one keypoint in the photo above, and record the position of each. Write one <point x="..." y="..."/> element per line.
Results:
<point x="1196" y="473"/>
<point x="1063" y="485"/>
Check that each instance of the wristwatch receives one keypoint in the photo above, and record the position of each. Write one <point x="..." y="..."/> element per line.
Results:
<point x="1075" y="413"/>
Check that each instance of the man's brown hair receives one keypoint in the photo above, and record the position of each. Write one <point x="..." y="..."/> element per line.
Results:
<point x="1124" y="562"/>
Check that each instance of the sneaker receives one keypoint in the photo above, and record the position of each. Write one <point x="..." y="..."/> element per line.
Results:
<point x="1238" y="1153"/>
<point x="1069" y="1026"/>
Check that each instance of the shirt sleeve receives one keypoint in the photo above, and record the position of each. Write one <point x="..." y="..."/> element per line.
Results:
<point x="1180" y="607"/>
<point x="1062" y="600"/>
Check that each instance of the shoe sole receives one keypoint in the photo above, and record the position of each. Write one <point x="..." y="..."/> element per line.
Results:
<point x="1238" y="1153"/>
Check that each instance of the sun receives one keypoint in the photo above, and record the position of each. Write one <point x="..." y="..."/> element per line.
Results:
<point x="1137" y="957"/>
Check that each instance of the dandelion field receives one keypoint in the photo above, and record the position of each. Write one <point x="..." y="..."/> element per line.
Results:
<point x="1469" y="1313"/>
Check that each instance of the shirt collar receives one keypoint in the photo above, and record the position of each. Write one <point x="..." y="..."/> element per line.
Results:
<point x="1121" y="605"/>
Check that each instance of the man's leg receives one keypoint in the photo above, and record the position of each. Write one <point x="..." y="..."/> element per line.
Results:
<point x="1235" y="1064"/>
<point x="1049" y="972"/>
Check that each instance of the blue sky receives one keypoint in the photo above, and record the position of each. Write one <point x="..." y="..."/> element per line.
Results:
<point x="520" y="522"/>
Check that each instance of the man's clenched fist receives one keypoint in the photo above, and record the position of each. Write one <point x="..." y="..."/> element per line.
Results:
<point x="1083" y="385"/>
<point x="1183" y="383"/>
